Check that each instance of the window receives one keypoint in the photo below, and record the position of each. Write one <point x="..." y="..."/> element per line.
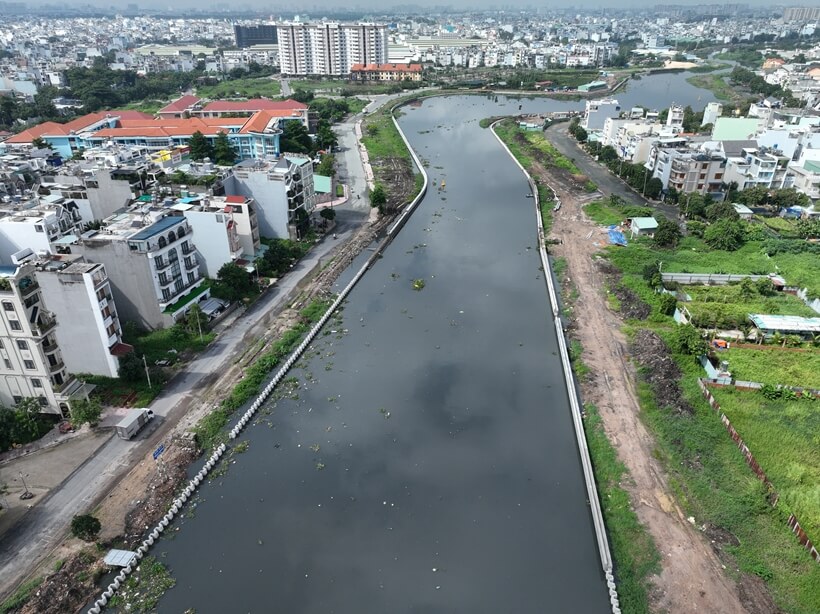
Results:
<point x="17" y="399"/>
<point x="22" y="344"/>
<point x="162" y="242"/>
<point x="29" y="364"/>
<point x="8" y="306"/>
<point x="1" y="344"/>
<point x="36" y="383"/>
<point x="181" y="232"/>
<point x="8" y="363"/>
<point x="15" y="325"/>
<point x="191" y="278"/>
<point x="43" y="401"/>
<point x="166" y="294"/>
<point x="38" y="227"/>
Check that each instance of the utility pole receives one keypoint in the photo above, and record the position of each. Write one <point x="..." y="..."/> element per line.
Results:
<point x="198" y="325"/>
<point x="147" y="373"/>
<point x="26" y="494"/>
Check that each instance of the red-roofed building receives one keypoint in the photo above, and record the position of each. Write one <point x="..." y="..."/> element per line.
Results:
<point x="219" y="108"/>
<point x="186" y="104"/>
<point x="385" y="72"/>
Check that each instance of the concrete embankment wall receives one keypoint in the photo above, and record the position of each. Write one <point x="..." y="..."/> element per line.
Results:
<point x="262" y="397"/>
<point x="575" y="405"/>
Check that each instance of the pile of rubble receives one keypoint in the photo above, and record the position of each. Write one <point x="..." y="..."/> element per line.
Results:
<point x="660" y="371"/>
<point x="67" y="589"/>
<point x="171" y="473"/>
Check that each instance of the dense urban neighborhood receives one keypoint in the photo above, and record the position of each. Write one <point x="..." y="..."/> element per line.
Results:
<point x="212" y="224"/>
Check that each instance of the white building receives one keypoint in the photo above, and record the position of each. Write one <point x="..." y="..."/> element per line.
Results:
<point x="283" y="192"/>
<point x="711" y="112"/>
<point x="88" y="325"/>
<point x="597" y="112"/>
<point x="98" y="193"/>
<point x="151" y="260"/>
<point x="227" y="230"/>
<point x="31" y="363"/>
<point x="330" y="48"/>
<point x="36" y="225"/>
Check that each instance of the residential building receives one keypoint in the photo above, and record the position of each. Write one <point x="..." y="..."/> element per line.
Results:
<point x="756" y="167"/>
<point x="151" y="260"/>
<point x="806" y="179"/>
<point x="37" y="225"/>
<point x="88" y="325"/>
<point x="97" y="193"/>
<point x="282" y="190"/>
<point x="597" y="112"/>
<point x="227" y="229"/>
<point x="286" y="109"/>
<point x="262" y="34"/>
<point x="31" y="361"/>
<point x="385" y="72"/>
<point x="711" y="112"/>
<point x="330" y="48"/>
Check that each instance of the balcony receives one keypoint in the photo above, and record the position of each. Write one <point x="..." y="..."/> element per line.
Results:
<point x="161" y="263"/>
<point x="187" y="249"/>
<point x="29" y="289"/>
<point x="57" y="366"/>
<point x="44" y="325"/>
<point x="191" y="263"/>
<point x="49" y="346"/>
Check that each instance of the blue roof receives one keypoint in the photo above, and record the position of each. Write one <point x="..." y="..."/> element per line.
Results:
<point x="156" y="228"/>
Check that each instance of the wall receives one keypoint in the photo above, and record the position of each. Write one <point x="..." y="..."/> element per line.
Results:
<point x="15" y="236"/>
<point x="131" y="281"/>
<point x="111" y="195"/>
<point x="80" y="331"/>
<point x="271" y="200"/>
<point x="212" y="246"/>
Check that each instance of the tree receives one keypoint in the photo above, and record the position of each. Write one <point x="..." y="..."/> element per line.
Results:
<point x="86" y="527"/>
<point x="327" y="166"/>
<point x="7" y="427"/>
<point x="200" y="147"/>
<point x="724" y="234"/>
<point x="327" y="214"/>
<point x="224" y="153"/>
<point x="754" y="196"/>
<point x="808" y="228"/>
<point x="694" y="205"/>
<point x="40" y="143"/>
<point x="721" y="210"/>
<point x="325" y="137"/>
<point x="132" y="368"/>
<point x="581" y="135"/>
<point x="295" y="138"/>
<point x="688" y="340"/>
<point x="85" y="411"/>
<point x="233" y="282"/>
<point x="195" y="319"/>
<point x="653" y="188"/>
<point x="668" y="304"/>
<point x="667" y="234"/>
<point x="378" y="197"/>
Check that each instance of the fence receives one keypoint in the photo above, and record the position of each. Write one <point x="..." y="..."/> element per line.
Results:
<point x="802" y="538"/>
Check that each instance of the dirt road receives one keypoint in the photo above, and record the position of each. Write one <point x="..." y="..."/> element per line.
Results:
<point x="692" y="578"/>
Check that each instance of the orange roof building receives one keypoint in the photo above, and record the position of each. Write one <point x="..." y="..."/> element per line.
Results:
<point x="385" y="72"/>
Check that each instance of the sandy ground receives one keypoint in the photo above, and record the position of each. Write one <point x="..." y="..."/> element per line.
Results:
<point x="692" y="577"/>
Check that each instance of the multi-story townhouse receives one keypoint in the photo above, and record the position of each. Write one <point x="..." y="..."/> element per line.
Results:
<point x="330" y="48"/>
<point x="151" y="259"/>
<point x="88" y="325"/>
<point x="282" y="190"/>
<point x="31" y="360"/>
<point x="36" y="224"/>
<point x="756" y="167"/>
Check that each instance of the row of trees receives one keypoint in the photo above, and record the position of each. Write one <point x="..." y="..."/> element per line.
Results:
<point x="759" y="85"/>
<point x="636" y="175"/>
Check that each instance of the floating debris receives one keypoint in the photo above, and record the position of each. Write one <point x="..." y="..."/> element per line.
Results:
<point x="418" y="284"/>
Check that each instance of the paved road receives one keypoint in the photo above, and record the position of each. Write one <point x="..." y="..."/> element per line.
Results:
<point x="24" y="546"/>
<point x="603" y="178"/>
<point x="286" y="91"/>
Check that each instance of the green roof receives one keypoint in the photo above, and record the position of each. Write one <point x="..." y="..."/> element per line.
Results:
<point x="810" y="166"/>
<point x="734" y="128"/>
<point x="645" y="223"/>
<point x="321" y="184"/>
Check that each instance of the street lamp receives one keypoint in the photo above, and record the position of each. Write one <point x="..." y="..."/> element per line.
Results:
<point x="26" y="494"/>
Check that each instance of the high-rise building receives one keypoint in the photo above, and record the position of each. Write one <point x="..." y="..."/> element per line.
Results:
<point x="801" y="14"/>
<point x="248" y="36"/>
<point x="330" y="48"/>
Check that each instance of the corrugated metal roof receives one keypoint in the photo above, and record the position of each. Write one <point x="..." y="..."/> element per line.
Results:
<point x="789" y="324"/>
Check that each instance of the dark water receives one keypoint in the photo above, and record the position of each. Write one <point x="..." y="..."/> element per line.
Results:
<point x="426" y="463"/>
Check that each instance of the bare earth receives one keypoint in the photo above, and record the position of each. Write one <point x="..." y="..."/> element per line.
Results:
<point x="692" y="577"/>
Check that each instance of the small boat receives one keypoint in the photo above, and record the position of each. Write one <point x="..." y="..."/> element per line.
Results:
<point x="443" y="185"/>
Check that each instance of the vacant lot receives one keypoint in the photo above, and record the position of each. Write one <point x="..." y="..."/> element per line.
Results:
<point x="772" y="366"/>
<point x="261" y="87"/>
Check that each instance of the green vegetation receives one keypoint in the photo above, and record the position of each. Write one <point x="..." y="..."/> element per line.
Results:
<point x="262" y="87"/>
<point x="717" y="85"/>
<point x="526" y="79"/>
<point x="234" y="283"/>
<point x="210" y="430"/>
<point x="146" y="106"/>
<point x="613" y="210"/>
<point x="758" y="85"/>
<point x="281" y="255"/>
<point x="746" y="57"/>
<point x="343" y="87"/>
<point x="782" y="435"/>
<point x="167" y="343"/>
<point x="381" y="138"/>
<point x="144" y="588"/>
<point x="729" y="306"/>
<point x="636" y="557"/>
<point x="771" y="366"/>
<point x="23" y="423"/>
<point x="86" y="527"/>
<point x="20" y="596"/>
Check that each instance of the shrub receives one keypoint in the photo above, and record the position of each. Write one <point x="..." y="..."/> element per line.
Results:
<point x="86" y="527"/>
<point x="668" y="303"/>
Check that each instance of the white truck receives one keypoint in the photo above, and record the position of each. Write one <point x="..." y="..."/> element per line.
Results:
<point x="133" y="421"/>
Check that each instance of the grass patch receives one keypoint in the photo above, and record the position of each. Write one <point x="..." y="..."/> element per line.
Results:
<point x="727" y="307"/>
<point x="146" y="106"/>
<point x="20" y="596"/>
<point x="144" y="588"/>
<point x="694" y="256"/>
<point x="115" y="391"/>
<point x="210" y="430"/>
<point x="636" y="557"/>
<point x="783" y="227"/>
<point x="715" y="83"/>
<point x="340" y="190"/>
<point x="782" y="435"/>
<point x="771" y="366"/>
<point x="256" y="87"/>
<point x="382" y="139"/>
<point x="612" y="211"/>
<point x="169" y="343"/>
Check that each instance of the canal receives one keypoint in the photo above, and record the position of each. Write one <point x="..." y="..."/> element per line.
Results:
<point x="423" y="458"/>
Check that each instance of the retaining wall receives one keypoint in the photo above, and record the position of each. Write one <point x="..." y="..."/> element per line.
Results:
<point x="758" y="470"/>
<point x="575" y="405"/>
<point x="263" y="396"/>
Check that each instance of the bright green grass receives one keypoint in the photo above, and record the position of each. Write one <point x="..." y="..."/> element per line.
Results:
<point x="382" y="139"/>
<point x="242" y="88"/>
<point x="716" y="84"/>
<point x="772" y="366"/>
<point x="784" y="437"/>
<point x="725" y="306"/>
<point x="694" y="256"/>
